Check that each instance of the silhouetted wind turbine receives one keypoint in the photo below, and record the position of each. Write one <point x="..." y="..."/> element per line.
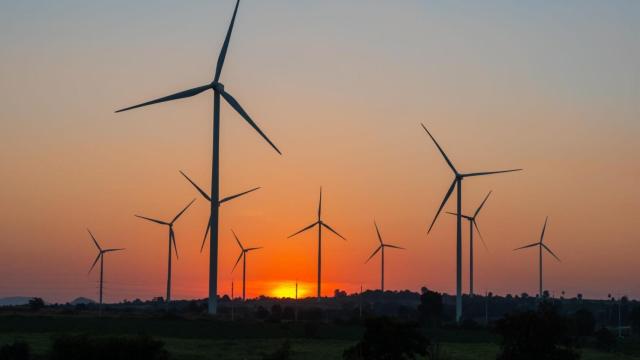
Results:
<point x="218" y="91"/>
<point x="381" y="250"/>
<point x="472" y="224"/>
<point x="320" y="224"/>
<point x="222" y="201"/>
<point x="540" y="245"/>
<point x="457" y="182"/>
<point x="100" y="257"/>
<point x="243" y="256"/>
<point x="172" y="239"/>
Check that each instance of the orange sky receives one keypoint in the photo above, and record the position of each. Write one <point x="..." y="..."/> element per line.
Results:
<point x="546" y="88"/>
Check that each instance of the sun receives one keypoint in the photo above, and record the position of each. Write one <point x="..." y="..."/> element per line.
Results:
<point x="288" y="290"/>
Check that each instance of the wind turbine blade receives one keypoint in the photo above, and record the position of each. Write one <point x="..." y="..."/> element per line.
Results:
<point x="481" y="205"/>
<point x="182" y="212"/>
<point x="204" y="194"/>
<point x="374" y="254"/>
<point x="225" y="46"/>
<point x="490" y="172"/>
<point x="550" y="252"/>
<point x="94" y="240"/>
<point x="237" y="195"/>
<point x="95" y="262"/>
<point x="206" y="232"/>
<point x="320" y="205"/>
<point x="479" y="233"/>
<point x="305" y="229"/>
<point x="239" y="257"/>
<point x="544" y="228"/>
<point x="173" y="241"/>
<point x="456" y="214"/>
<point x="253" y="248"/>
<point x="378" y="232"/>
<point x="527" y="246"/>
<point x="394" y="246"/>
<point x="234" y="104"/>
<point x="237" y="240"/>
<point x="176" y="96"/>
<point x="441" y="151"/>
<point x="446" y="197"/>
<point x="333" y="231"/>
<point x="153" y="220"/>
<point x="112" y="250"/>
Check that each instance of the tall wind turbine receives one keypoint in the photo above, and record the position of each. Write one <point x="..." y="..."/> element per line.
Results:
<point x="457" y="182"/>
<point x="381" y="250"/>
<point x="320" y="225"/>
<point x="208" y="198"/>
<point x="172" y="240"/>
<point x="100" y="257"/>
<point x="218" y="92"/>
<point x="540" y="246"/>
<point x="472" y="224"/>
<point x="243" y="256"/>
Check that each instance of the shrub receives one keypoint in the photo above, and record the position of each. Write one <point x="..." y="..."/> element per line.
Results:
<point x="19" y="350"/>
<point x="533" y="335"/>
<point x="81" y="347"/>
<point x="635" y="319"/>
<point x="36" y="304"/>
<point x="583" y="323"/>
<point x="385" y="339"/>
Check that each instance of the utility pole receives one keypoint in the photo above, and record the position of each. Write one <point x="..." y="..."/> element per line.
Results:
<point x="296" y="303"/>
<point x="360" y="301"/>
<point x="232" y="303"/>
<point x="486" y="308"/>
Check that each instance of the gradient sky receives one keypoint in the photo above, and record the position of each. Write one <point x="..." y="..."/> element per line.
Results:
<point x="341" y="87"/>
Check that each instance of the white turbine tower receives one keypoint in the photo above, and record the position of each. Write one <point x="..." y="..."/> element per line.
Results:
<point x="457" y="183"/>
<point x="243" y="256"/>
<point x="218" y="92"/>
<point x="101" y="253"/>
<point x="381" y="250"/>
<point x="320" y="225"/>
<point x="540" y="246"/>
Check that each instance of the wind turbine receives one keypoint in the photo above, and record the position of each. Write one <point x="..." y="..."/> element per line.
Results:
<point x="172" y="240"/>
<point x="243" y="256"/>
<point x="100" y="257"/>
<point x="208" y="198"/>
<point x="472" y="224"/>
<point x="540" y="246"/>
<point x="320" y="225"/>
<point x="457" y="183"/>
<point x="381" y="250"/>
<point x="218" y="92"/>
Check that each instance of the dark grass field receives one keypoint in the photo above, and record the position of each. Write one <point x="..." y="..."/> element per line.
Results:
<point x="194" y="339"/>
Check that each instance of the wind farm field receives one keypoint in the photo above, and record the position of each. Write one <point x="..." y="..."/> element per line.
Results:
<point x="195" y="339"/>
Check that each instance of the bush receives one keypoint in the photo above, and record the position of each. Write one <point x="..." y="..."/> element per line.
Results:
<point x="19" y="350"/>
<point x="605" y="340"/>
<point x="533" y="335"/>
<point x="385" y="339"/>
<point x="36" y="304"/>
<point x="430" y="307"/>
<point x="81" y="347"/>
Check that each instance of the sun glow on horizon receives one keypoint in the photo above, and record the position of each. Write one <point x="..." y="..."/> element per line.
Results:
<point x="288" y="290"/>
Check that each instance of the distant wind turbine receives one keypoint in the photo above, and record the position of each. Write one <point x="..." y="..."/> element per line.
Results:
<point x="320" y="225"/>
<point x="100" y="257"/>
<point x="172" y="240"/>
<point x="472" y="224"/>
<point x="540" y="246"/>
<point x="381" y="250"/>
<point x="208" y="198"/>
<point x="457" y="182"/>
<point x="243" y="256"/>
<point x="218" y="91"/>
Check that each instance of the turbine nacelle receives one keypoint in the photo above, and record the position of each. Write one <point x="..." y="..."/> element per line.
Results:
<point x="217" y="86"/>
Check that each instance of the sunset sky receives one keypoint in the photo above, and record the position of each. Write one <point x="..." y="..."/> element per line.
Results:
<point x="341" y="87"/>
